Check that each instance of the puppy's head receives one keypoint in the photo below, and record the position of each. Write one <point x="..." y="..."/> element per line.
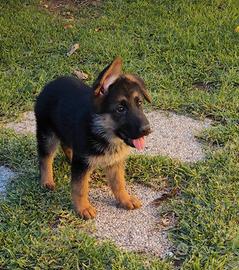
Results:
<point x="120" y="97"/>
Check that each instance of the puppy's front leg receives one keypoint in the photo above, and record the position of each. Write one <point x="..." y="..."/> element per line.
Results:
<point x="115" y="175"/>
<point x="80" y="188"/>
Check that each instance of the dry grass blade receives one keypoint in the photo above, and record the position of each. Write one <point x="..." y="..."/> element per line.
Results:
<point x="68" y="26"/>
<point x="80" y="74"/>
<point x="73" y="48"/>
<point x="207" y="86"/>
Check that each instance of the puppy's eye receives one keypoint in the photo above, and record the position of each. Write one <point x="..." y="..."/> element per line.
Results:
<point x="139" y="102"/>
<point x="120" y="109"/>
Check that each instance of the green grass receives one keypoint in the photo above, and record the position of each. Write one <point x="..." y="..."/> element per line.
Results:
<point x="171" y="44"/>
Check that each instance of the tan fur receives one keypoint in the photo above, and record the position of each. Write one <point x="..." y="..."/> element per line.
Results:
<point x="140" y="82"/>
<point x="115" y="175"/>
<point x="113" y="70"/>
<point x="117" y="152"/>
<point x="133" y="79"/>
<point x="79" y="192"/>
<point x="47" y="172"/>
<point x="135" y="94"/>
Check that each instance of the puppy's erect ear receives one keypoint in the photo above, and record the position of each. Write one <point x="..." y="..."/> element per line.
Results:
<point x="141" y="83"/>
<point x="107" y="77"/>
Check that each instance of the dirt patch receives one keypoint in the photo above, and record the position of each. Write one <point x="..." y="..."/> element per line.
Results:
<point x="173" y="135"/>
<point x="140" y="230"/>
<point x="26" y="124"/>
<point x="5" y="176"/>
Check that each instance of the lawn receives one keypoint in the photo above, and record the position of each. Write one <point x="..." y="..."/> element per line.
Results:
<point x="187" y="52"/>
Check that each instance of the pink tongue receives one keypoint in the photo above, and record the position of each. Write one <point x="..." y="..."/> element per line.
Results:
<point x="139" y="143"/>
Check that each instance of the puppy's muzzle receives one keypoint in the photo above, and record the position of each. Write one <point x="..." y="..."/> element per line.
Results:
<point x="145" y="130"/>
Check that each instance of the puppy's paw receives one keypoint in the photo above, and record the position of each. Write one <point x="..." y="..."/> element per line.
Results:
<point x="130" y="203"/>
<point x="86" y="211"/>
<point x="48" y="184"/>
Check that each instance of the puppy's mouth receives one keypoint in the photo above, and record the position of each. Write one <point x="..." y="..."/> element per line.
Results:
<point x="138" y="143"/>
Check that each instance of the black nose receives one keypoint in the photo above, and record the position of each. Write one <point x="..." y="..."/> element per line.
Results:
<point x="145" y="130"/>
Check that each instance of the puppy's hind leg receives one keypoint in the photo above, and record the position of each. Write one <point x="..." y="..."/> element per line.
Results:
<point x="47" y="143"/>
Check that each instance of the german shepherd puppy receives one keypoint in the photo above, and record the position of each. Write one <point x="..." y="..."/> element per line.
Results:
<point x="96" y="127"/>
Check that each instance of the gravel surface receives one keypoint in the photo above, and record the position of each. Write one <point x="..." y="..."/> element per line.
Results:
<point x="138" y="230"/>
<point x="25" y="125"/>
<point x="5" y="176"/>
<point x="173" y="135"/>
